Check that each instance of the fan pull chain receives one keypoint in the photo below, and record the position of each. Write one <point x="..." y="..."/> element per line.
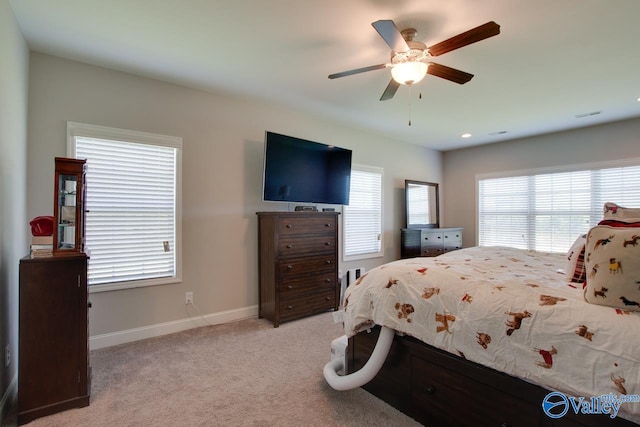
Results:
<point x="410" y="90"/>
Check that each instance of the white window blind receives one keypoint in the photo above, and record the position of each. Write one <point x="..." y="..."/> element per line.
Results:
<point x="131" y="202"/>
<point x="363" y="216"/>
<point x="548" y="211"/>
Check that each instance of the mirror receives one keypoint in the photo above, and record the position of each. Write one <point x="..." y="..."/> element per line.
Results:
<point x="422" y="207"/>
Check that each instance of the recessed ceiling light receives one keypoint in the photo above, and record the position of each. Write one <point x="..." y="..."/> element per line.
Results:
<point x="466" y="135"/>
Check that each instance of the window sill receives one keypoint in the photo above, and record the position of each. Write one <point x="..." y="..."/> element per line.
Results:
<point x="107" y="287"/>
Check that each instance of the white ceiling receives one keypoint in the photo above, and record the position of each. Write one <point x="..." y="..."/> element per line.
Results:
<point x="553" y="60"/>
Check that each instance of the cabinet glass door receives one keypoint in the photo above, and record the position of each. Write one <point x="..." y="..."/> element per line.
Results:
<point x="67" y="186"/>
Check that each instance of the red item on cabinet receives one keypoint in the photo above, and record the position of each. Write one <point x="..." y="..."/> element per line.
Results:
<point x="42" y="226"/>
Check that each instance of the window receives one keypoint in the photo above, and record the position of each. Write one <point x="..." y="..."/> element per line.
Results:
<point x="133" y="206"/>
<point x="547" y="211"/>
<point x="362" y="218"/>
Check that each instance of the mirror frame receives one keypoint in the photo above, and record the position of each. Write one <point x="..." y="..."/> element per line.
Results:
<point x="409" y="182"/>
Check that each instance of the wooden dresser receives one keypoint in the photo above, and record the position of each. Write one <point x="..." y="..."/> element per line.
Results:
<point x="298" y="262"/>
<point x="53" y="366"/>
<point x="428" y="242"/>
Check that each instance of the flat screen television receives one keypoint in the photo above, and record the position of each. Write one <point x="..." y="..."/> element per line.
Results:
<point x="301" y="171"/>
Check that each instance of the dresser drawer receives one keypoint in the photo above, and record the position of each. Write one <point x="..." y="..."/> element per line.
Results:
<point x="303" y="224"/>
<point x="444" y="387"/>
<point x="428" y="237"/>
<point x="306" y="266"/>
<point x="452" y="237"/>
<point x="431" y="251"/>
<point x="305" y="284"/>
<point x="293" y="246"/>
<point x="303" y="305"/>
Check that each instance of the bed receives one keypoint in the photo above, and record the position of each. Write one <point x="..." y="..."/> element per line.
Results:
<point x="485" y="334"/>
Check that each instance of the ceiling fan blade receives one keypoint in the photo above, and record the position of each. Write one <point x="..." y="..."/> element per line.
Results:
<point x="358" y="71"/>
<point x="482" y="32"/>
<point x="391" y="89"/>
<point x="389" y="32"/>
<point x="449" y="73"/>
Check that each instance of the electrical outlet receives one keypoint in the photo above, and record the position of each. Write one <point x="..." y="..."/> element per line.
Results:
<point x="188" y="298"/>
<point x="7" y="356"/>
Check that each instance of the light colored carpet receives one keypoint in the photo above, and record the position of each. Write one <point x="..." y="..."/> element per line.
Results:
<point x="246" y="373"/>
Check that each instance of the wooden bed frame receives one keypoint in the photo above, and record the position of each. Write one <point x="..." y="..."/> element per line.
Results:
<point x="440" y="389"/>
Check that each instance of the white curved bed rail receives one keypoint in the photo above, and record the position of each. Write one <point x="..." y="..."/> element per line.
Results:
<point x="367" y="372"/>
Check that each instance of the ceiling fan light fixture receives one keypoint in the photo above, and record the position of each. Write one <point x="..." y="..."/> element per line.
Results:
<point x="410" y="72"/>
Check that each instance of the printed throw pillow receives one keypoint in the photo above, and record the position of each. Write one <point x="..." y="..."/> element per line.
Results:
<point x="612" y="267"/>
<point x="613" y="212"/>
<point x="576" y="271"/>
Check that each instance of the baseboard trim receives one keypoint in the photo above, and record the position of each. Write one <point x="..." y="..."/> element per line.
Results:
<point x="130" y="335"/>
<point x="8" y="399"/>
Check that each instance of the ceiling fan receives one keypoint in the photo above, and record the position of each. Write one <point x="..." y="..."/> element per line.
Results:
<point x="411" y="60"/>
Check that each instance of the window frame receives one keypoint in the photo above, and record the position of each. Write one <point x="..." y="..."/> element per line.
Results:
<point x="75" y="129"/>
<point x="596" y="205"/>
<point x="380" y="252"/>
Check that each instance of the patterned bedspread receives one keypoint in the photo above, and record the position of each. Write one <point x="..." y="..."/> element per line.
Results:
<point x="508" y="309"/>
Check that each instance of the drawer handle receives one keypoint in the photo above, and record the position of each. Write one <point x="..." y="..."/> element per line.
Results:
<point x="289" y="246"/>
<point x="328" y="261"/>
<point x="505" y="424"/>
<point x="290" y="287"/>
<point x="430" y="390"/>
<point x="327" y="225"/>
<point x="327" y="280"/>
<point x="327" y="243"/>
<point x="289" y="307"/>
<point x="289" y="226"/>
<point x="328" y="298"/>
<point x="439" y="237"/>
<point x="289" y="267"/>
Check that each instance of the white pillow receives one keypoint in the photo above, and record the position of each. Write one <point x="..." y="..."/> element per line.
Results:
<point x="612" y="257"/>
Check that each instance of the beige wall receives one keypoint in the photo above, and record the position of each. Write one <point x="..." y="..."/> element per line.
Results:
<point x="14" y="70"/>
<point x="222" y="177"/>
<point x="612" y="141"/>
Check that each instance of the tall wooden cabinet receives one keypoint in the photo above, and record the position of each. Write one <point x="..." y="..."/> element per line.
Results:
<point x="298" y="262"/>
<point x="53" y="366"/>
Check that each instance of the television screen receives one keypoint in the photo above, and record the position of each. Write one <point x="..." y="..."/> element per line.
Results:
<point x="297" y="170"/>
